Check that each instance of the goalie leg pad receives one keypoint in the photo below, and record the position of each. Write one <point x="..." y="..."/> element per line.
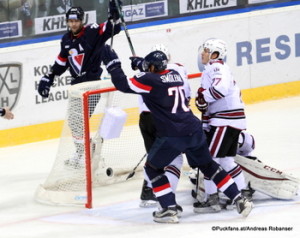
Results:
<point x="268" y="180"/>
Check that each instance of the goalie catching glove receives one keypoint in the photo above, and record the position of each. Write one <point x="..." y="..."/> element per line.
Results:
<point x="44" y="86"/>
<point x="110" y="59"/>
<point x="200" y="102"/>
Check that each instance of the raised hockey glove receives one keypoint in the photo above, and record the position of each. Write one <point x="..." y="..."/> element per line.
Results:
<point x="44" y="86"/>
<point x="110" y="59"/>
<point x="200" y="102"/>
<point x="137" y="63"/>
<point x="113" y="11"/>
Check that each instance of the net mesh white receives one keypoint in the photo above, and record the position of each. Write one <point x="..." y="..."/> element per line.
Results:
<point x="112" y="159"/>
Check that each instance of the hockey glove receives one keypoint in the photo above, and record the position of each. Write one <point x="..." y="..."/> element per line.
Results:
<point x="113" y="11"/>
<point x="110" y="59"/>
<point x="137" y="63"/>
<point x="200" y="102"/>
<point x="44" y="86"/>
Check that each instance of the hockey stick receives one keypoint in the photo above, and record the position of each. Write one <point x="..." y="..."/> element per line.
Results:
<point x="112" y="34"/>
<point x="125" y="28"/>
<point x="197" y="183"/>
<point x="133" y="171"/>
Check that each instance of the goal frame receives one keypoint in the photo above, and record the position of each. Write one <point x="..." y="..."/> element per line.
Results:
<point x="87" y="143"/>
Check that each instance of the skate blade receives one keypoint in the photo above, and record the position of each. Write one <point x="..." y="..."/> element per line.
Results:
<point x="168" y="220"/>
<point x="147" y="204"/>
<point x="214" y="209"/>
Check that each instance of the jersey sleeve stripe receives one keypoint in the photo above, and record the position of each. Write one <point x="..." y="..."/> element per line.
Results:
<point x="61" y="61"/>
<point x="138" y="87"/>
<point x="216" y="94"/>
<point x="233" y="114"/>
<point x="102" y="28"/>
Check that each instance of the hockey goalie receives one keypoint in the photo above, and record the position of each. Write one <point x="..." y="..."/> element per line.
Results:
<point x="259" y="176"/>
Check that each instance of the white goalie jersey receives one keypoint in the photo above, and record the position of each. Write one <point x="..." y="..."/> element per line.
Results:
<point x="225" y="106"/>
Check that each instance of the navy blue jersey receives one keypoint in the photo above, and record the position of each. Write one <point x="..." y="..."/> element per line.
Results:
<point x="164" y="95"/>
<point x="82" y="54"/>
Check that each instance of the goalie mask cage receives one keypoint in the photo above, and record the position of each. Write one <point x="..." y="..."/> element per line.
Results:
<point x="84" y="159"/>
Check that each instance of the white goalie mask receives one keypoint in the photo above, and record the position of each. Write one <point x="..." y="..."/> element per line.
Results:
<point x="163" y="48"/>
<point x="215" y="45"/>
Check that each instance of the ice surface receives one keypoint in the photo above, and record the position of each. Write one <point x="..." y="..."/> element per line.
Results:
<point x="275" y="125"/>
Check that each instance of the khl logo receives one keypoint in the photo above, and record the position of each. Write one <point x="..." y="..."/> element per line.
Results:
<point x="10" y="84"/>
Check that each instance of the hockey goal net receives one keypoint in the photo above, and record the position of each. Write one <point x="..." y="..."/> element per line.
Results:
<point x="100" y="143"/>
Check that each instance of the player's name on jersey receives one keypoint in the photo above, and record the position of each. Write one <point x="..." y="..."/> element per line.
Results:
<point x="169" y="78"/>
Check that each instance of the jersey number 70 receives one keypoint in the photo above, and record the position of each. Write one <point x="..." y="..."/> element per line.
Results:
<point x="178" y="93"/>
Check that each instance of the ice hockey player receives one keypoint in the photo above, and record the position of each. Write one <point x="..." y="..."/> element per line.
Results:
<point x="148" y="130"/>
<point x="6" y="113"/>
<point x="219" y="99"/>
<point x="81" y="53"/>
<point x="178" y="131"/>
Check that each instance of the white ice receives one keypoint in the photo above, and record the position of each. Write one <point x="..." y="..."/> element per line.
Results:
<point x="275" y="125"/>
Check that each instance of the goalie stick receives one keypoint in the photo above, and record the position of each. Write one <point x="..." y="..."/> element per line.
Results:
<point x="125" y="28"/>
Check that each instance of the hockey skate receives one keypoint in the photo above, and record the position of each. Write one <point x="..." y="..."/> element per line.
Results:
<point x="179" y="210"/>
<point x="77" y="161"/>
<point x="243" y="205"/>
<point x="212" y="205"/>
<point x="166" y="215"/>
<point x="148" y="198"/>
<point x="247" y="193"/>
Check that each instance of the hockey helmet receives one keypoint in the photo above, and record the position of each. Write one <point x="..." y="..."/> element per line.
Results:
<point x="156" y="58"/>
<point x="215" y="45"/>
<point x="75" y="13"/>
<point x="163" y="48"/>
